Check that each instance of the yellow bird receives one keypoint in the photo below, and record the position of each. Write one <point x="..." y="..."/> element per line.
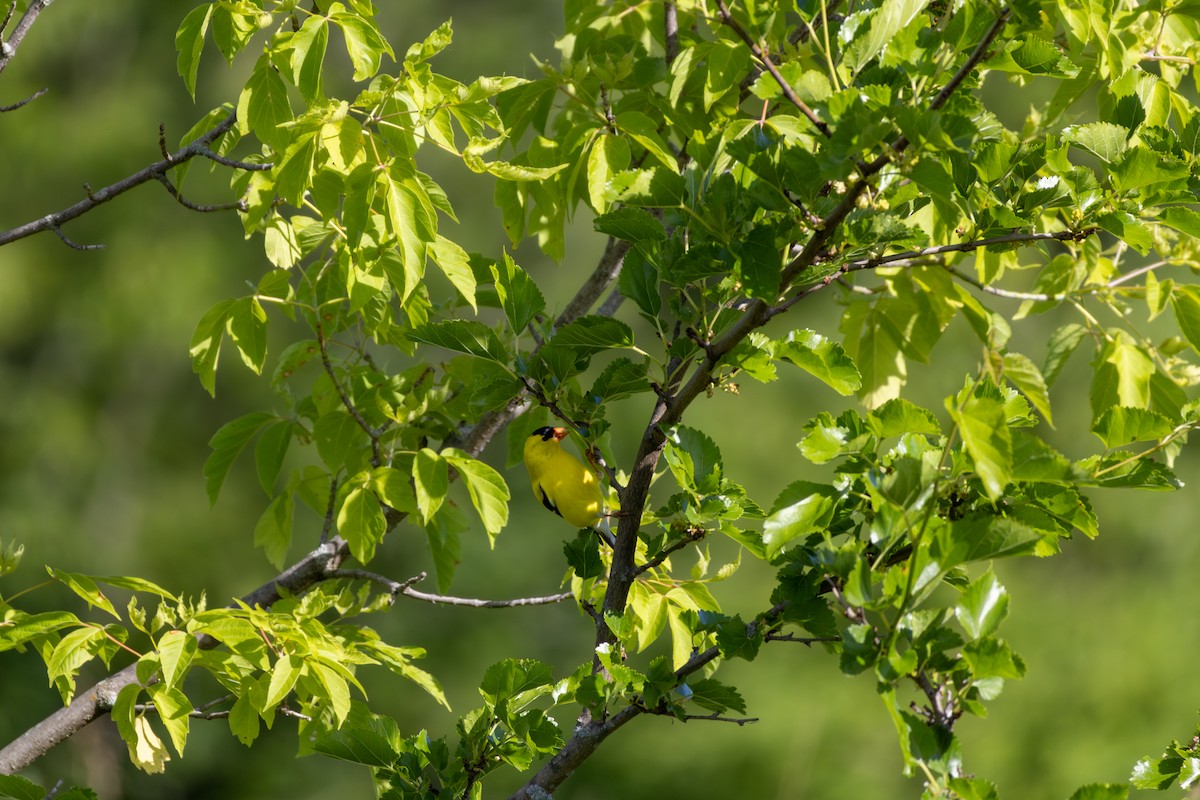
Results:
<point x="560" y="480"/>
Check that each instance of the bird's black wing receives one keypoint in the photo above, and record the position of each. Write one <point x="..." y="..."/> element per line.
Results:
<point x="546" y="502"/>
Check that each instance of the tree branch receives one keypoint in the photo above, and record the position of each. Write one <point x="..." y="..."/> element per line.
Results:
<point x="199" y="147"/>
<point x="770" y="67"/>
<point x="395" y="588"/>
<point x="8" y="47"/>
<point x="98" y="700"/>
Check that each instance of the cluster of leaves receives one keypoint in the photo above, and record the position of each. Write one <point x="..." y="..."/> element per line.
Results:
<point x="743" y="162"/>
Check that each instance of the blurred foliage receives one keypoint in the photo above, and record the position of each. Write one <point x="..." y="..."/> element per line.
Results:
<point x="105" y="430"/>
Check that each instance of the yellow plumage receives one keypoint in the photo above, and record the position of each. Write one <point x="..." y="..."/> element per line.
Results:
<point x="560" y="481"/>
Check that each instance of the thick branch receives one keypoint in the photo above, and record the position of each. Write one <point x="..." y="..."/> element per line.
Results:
<point x="199" y="147"/>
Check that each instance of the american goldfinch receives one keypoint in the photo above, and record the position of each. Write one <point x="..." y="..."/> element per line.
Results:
<point x="560" y="480"/>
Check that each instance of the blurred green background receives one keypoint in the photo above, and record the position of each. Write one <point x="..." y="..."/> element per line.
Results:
<point x="103" y="432"/>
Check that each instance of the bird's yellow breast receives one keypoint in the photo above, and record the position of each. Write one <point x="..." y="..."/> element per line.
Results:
<point x="562" y="483"/>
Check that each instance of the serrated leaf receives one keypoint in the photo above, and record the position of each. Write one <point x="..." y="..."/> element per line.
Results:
<point x="1121" y="425"/>
<point x="694" y="460"/>
<point x="820" y="357"/>
<point x="760" y="263"/>
<point x="1025" y="375"/>
<point x="1062" y="343"/>
<point x="512" y="677"/>
<point x="1104" y="140"/>
<point x="639" y="282"/>
<point x="519" y="295"/>
<point x="899" y="416"/>
<point x="85" y="588"/>
<point x="983" y="606"/>
<point x="631" y="225"/>
<point x="621" y="378"/>
<point x="587" y="336"/>
<point x="983" y="426"/>
<point x="463" y="336"/>
<point x="643" y="130"/>
<point x="802" y="508"/>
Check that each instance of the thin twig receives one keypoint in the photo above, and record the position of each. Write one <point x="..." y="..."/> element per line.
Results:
<point x="204" y="208"/>
<point x="20" y="103"/>
<point x="51" y="222"/>
<point x="807" y="641"/>
<point x="396" y="588"/>
<point x="770" y="67"/>
<point x="690" y="535"/>
<point x="372" y="432"/>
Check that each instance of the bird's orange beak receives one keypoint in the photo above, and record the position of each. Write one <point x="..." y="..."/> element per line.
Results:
<point x="560" y="434"/>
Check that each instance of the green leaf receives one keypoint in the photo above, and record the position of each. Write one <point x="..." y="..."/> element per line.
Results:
<point x="992" y="658"/>
<point x="802" y="508"/>
<point x="463" y="336"/>
<point x="587" y="336"/>
<point x="337" y="690"/>
<point x="643" y="131"/>
<point x="760" y="263"/>
<point x="243" y="720"/>
<point x="621" y="378"/>
<point x="395" y="489"/>
<point x="983" y="426"/>
<point x="1182" y="219"/>
<point x="365" y="45"/>
<point x="1104" y="140"/>
<point x="226" y="444"/>
<point x="639" y="282"/>
<point x="189" y="41"/>
<point x="206" y="344"/>
<point x="983" y="606"/>
<point x="1121" y="376"/>
<point x="899" y="416"/>
<point x="1121" y="425"/>
<point x="1025" y="375"/>
<point x="489" y="493"/>
<point x="85" y="588"/>
<point x="511" y="677"/>
<point x="361" y="523"/>
<point x="519" y="295"/>
<point x="1101" y="791"/>
<point x="455" y="265"/>
<point x="247" y="326"/>
<point x="821" y="357"/>
<point x="431" y="476"/>
<point x="891" y="17"/>
<point x="1185" y="303"/>
<point x="263" y="106"/>
<point x="714" y="696"/>
<point x="308" y="55"/>
<point x="339" y="438"/>
<point x="631" y="225"/>
<point x="609" y="154"/>
<point x="273" y="533"/>
<point x="583" y="555"/>
<point x="176" y="649"/>
<point x="19" y="788"/>
<point x="269" y="452"/>
<point x="1062" y="343"/>
<point x="694" y="459"/>
<point x="373" y="742"/>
